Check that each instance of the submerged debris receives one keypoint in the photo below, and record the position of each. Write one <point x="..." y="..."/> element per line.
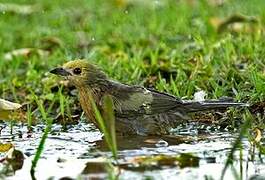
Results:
<point x="142" y="163"/>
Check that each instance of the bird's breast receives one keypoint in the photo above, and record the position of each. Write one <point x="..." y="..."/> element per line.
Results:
<point x="85" y="98"/>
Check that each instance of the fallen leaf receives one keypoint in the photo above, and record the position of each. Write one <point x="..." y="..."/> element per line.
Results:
<point x="235" y="23"/>
<point x="5" y="147"/>
<point x="26" y="52"/>
<point x="11" y="111"/>
<point x="18" y="9"/>
<point x="7" y="105"/>
<point x="183" y="160"/>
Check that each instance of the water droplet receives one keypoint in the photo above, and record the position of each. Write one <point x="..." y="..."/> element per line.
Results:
<point x="93" y="39"/>
<point x="126" y="11"/>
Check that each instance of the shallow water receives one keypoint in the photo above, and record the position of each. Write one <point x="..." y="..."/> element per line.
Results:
<point x="79" y="152"/>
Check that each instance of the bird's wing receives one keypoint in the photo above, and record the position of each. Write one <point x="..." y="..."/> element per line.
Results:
<point x="138" y="100"/>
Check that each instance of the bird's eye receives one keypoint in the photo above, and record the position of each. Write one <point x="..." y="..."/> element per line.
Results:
<point x="77" y="71"/>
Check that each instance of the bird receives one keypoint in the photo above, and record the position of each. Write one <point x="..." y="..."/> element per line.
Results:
<point x="137" y="110"/>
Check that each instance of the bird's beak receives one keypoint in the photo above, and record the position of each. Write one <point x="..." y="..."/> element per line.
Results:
<point x="60" y="71"/>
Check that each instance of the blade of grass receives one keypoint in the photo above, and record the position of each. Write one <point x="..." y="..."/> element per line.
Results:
<point x="237" y="142"/>
<point x="110" y="122"/>
<point x="62" y="101"/>
<point x="29" y="116"/>
<point x="109" y="134"/>
<point x="241" y="162"/>
<point x="44" y="136"/>
<point x="41" y="145"/>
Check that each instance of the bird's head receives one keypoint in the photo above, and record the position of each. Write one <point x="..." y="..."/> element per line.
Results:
<point x="81" y="73"/>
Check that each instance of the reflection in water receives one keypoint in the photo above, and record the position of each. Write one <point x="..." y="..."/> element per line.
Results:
<point x="138" y="142"/>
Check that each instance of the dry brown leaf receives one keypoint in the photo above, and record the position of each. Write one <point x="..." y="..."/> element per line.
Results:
<point x="11" y="111"/>
<point x="7" y="105"/>
<point x="18" y="9"/>
<point x="235" y="23"/>
<point x="26" y="52"/>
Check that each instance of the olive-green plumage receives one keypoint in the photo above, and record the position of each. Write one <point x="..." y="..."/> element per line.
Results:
<point x="138" y="110"/>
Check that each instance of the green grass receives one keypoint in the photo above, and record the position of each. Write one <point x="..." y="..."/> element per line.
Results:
<point x="238" y="145"/>
<point x="175" y="43"/>
<point x="44" y="115"/>
<point x="172" y="47"/>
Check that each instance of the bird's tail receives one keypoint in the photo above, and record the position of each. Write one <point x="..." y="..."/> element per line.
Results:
<point x="194" y="106"/>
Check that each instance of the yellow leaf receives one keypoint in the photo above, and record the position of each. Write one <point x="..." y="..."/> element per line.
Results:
<point x="5" y="147"/>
